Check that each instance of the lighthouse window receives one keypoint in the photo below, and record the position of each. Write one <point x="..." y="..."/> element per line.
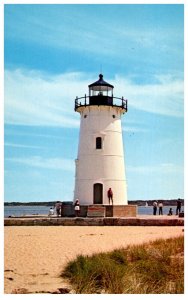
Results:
<point x="98" y="143"/>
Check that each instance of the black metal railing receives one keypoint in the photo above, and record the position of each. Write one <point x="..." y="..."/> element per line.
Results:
<point x="101" y="100"/>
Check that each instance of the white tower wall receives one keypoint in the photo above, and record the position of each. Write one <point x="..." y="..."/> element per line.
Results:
<point x="106" y="165"/>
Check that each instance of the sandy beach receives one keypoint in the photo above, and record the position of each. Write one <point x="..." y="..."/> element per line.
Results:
<point x="35" y="255"/>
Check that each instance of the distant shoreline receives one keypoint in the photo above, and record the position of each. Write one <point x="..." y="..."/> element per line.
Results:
<point x="171" y="202"/>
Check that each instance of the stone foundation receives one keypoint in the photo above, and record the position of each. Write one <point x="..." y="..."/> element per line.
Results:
<point x="121" y="211"/>
<point x="101" y="211"/>
<point x="96" y="211"/>
<point x="53" y="221"/>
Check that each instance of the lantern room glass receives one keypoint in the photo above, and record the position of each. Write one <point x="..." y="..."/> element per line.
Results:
<point x="101" y="90"/>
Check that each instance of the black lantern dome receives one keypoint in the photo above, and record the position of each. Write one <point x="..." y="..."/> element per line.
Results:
<point x="100" y="83"/>
<point x="100" y="93"/>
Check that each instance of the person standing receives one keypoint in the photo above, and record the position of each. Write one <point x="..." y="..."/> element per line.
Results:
<point x="77" y="208"/>
<point x="58" y="208"/>
<point x="160" y="208"/>
<point x="178" y="208"/>
<point x="154" y="208"/>
<point x="110" y="195"/>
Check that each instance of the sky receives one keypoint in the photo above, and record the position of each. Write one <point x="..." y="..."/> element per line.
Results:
<point x="52" y="53"/>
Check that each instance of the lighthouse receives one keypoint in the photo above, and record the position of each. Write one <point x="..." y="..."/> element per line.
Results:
<point x="100" y="162"/>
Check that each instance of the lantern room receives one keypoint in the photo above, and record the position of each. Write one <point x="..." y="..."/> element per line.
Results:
<point x="100" y="92"/>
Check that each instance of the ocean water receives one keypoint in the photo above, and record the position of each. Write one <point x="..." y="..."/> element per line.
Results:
<point x="43" y="210"/>
<point x="25" y="210"/>
<point x="142" y="210"/>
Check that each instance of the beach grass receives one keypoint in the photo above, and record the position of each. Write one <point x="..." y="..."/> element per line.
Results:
<point x="152" y="268"/>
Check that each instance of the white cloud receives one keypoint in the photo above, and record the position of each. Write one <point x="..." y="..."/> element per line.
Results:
<point x="22" y="146"/>
<point x="46" y="163"/>
<point x="133" y="129"/>
<point x="163" y="168"/>
<point x="34" y="98"/>
<point x="164" y="97"/>
<point x="64" y="27"/>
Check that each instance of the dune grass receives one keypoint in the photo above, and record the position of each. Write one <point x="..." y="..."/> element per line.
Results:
<point x="153" y="268"/>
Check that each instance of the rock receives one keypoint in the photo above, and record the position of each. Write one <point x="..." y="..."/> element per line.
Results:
<point x="61" y="291"/>
<point x="64" y="290"/>
<point x="20" y="291"/>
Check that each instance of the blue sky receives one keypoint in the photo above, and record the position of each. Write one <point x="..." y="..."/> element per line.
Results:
<point x="52" y="53"/>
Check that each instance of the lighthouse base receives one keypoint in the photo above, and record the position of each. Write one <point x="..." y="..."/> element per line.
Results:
<point x="100" y="210"/>
<point x="111" y="211"/>
<point x="121" y="211"/>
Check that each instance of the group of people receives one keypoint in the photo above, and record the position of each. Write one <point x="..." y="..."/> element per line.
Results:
<point x="159" y="206"/>
<point x="58" y="208"/>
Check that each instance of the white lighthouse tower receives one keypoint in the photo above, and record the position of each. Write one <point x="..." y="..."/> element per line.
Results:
<point x="100" y="162"/>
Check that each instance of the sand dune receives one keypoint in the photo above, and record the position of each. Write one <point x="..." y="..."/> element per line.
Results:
<point x="35" y="255"/>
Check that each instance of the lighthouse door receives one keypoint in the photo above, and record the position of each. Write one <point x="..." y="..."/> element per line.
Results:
<point x="97" y="193"/>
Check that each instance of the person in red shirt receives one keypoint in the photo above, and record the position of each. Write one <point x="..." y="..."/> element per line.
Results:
<point x="110" y="195"/>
